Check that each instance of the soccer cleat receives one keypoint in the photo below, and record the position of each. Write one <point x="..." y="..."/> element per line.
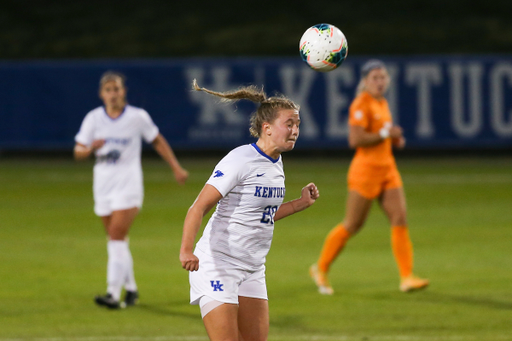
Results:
<point x="321" y="280"/>
<point x="131" y="298"/>
<point x="109" y="302"/>
<point x="413" y="283"/>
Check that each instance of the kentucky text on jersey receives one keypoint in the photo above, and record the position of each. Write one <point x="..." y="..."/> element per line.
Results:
<point x="122" y="141"/>
<point x="269" y="192"/>
<point x="111" y="157"/>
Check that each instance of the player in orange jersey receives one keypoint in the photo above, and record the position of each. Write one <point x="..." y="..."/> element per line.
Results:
<point x="372" y="175"/>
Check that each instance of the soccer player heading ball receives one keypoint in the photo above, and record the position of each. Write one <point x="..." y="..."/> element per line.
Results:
<point x="227" y="267"/>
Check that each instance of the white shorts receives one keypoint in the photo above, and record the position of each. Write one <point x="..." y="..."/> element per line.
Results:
<point x="105" y="206"/>
<point x="219" y="281"/>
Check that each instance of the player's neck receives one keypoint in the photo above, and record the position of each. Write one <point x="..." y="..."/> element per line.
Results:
<point x="114" y="111"/>
<point x="268" y="148"/>
<point x="378" y="96"/>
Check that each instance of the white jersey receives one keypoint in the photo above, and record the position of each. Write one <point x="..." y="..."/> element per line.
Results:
<point x="240" y="230"/>
<point x="118" y="169"/>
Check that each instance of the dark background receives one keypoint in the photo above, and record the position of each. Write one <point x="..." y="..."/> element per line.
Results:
<point x="167" y="29"/>
<point x="32" y="30"/>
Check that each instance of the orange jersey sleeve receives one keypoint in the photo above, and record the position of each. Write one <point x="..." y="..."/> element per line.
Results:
<point x="359" y="113"/>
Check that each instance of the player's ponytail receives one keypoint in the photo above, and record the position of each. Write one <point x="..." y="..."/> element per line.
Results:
<point x="251" y="93"/>
<point x="360" y="87"/>
<point x="267" y="110"/>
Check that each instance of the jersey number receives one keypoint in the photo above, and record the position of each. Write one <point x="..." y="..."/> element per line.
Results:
<point x="268" y="215"/>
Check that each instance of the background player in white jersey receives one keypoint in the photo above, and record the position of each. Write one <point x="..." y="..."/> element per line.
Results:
<point x="227" y="267"/>
<point x="113" y="132"/>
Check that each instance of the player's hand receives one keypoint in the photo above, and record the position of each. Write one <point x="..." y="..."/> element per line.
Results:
<point x="395" y="132"/>
<point x="189" y="261"/>
<point x="97" y="144"/>
<point x="399" y="142"/>
<point x="181" y="175"/>
<point x="310" y="193"/>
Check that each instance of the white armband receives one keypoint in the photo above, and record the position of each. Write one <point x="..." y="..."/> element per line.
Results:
<point x="384" y="133"/>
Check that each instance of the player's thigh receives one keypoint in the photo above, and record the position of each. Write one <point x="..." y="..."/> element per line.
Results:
<point x="221" y="323"/>
<point x="357" y="209"/>
<point x="393" y="203"/>
<point x="253" y="318"/>
<point x="120" y="222"/>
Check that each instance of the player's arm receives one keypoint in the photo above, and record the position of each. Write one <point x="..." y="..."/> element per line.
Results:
<point x="163" y="148"/>
<point x="308" y="196"/>
<point x="359" y="137"/>
<point x="205" y="201"/>
<point x="81" y="151"/>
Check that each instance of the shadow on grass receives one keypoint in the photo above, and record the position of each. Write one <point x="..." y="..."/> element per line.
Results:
<point x="288" y="322"/>
<point x="481" y="301"/>
<point x="170" y="309"/>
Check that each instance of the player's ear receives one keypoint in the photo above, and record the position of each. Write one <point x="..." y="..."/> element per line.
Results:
<point x="266" y="128"/>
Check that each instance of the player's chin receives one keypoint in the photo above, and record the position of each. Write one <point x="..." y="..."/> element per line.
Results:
<point x="290" y="144"/>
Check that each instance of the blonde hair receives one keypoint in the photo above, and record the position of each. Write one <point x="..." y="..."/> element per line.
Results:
<point x="268" y="106"/>
<point x="370" y="65"/>
<point x="110" y="76"/>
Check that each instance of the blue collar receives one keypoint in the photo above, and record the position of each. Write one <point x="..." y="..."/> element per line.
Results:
<point x="263" y="154"/>
<point x="114" y="119"/>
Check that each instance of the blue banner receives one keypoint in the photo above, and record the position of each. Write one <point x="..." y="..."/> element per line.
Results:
<point x="441" y="102"/>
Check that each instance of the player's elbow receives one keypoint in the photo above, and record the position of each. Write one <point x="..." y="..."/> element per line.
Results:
<point x="80" y="152"/>
<point x="197" y="211"/>
<point x="80" y="156"/>
<point x="353" y="142"/>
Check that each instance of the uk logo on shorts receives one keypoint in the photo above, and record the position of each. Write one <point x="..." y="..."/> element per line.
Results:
<point x="216" y="286"/>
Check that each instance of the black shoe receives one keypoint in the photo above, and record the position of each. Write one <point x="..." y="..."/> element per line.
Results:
<point x="131" y="298"/>
<point x="108" y="301"/>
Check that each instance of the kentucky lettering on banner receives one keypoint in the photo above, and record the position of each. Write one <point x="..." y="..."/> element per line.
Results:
<point x="441" y="102"/>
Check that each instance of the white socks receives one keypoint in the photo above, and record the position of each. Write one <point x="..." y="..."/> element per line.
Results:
<point x="119" y="268"/>
<point x="130" y="284"/>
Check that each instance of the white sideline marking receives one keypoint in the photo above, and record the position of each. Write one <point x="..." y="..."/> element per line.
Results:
<point x="278" y="338"/>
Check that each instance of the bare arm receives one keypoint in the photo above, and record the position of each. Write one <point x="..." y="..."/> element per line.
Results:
<point x="82" y="152"/>
<point x="359" y="137"/>
<point x="308" y="196"/>
<point x="207" y="198"/>
<point x="163" y="148"/>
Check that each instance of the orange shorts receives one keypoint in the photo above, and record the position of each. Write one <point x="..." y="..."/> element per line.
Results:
<point x="371" y="181"/>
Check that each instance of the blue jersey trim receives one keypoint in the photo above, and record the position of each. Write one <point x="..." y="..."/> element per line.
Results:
<point x="263" y="154"/>
<point x="114" y="119"/>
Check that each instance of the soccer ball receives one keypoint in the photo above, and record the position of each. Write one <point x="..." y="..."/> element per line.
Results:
<point x="323" y="47"/>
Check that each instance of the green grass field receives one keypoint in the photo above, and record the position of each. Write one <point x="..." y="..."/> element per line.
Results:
<point x="53" y="256"/>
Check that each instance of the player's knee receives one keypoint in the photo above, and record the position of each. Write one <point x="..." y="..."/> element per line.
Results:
<point x="117" y="233"/>
<point x="399" y="220"/>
